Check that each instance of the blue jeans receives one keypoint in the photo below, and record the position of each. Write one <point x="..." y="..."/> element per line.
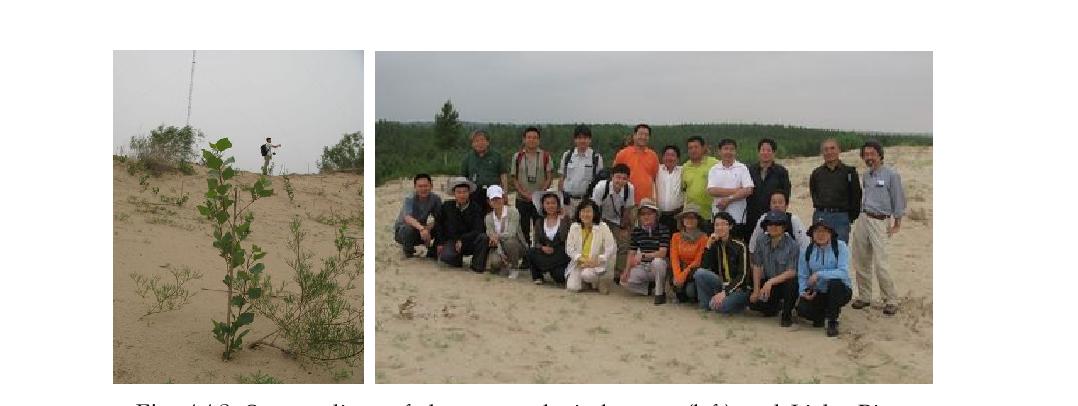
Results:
<point x="707" y="286"/>
<point x="840" y="221"/>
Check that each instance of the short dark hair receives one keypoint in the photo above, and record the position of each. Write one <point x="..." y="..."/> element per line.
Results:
<point x="639" y="126"/>
<point x="768" y="141"/>
<point x="785" y="197"/>
<point x="725" y="217"/>
<point x="725" y="141"/>
<point x="620" y="168"/>
<point x="673" y="147"/>
<point x="594" y="208"/>
<point x="874" y="145"/>
<point x="548" y="195"/>
<point x="417" y="177"/>
<point x="267" y="139"/>
<point x="696" y="138"/>
<point x="582" y="130"/>
<point x="530" y="129"/>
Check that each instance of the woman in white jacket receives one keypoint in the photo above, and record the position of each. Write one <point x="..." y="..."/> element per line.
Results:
<point x="591" y="248"/>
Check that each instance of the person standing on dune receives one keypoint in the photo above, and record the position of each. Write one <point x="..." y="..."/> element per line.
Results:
<point x="267" y="154"/>
<point x="835" y="190"/>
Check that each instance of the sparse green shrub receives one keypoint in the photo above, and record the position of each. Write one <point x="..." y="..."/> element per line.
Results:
<point x="165" y="296"/>
<point x="231" y="226"/>
<point x="289" y="189"/>
<point x="257" y="378"/>
<point x="316" y="321"/>
<point x="165" y="149"/>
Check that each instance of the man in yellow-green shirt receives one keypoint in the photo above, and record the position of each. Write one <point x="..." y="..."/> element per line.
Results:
<point x="694" y="179"/>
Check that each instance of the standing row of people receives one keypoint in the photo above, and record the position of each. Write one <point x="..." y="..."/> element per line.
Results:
<point x="714" y="231"/>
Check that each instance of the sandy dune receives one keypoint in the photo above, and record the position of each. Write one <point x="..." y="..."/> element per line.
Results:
<point x="179" y="346"/>
<point x="467" y="328"/>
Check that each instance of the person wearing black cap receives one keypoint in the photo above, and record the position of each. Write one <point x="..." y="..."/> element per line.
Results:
<point x="458" y="226"/>
<point x="774" y="270"/>
<point x="578" y="168"/>
<point x="823" y="278"/>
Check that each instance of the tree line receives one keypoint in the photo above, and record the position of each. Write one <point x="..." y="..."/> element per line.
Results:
<point x="437" y="147"/>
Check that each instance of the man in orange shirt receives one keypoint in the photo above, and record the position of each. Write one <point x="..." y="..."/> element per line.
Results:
<point x="642" y="161"/>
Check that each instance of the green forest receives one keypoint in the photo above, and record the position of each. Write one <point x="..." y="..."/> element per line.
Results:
<point x="404" y="149"/>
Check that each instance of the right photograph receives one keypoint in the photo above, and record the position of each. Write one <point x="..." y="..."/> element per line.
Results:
<point x="654" y="217"/>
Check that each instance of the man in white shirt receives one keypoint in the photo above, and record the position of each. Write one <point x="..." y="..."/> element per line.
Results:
<point x="730" y="182"/>
<point x="267" y="154"/>
<point x="616" y="202"/>
<point x="668" y="191"/>
<point x="578" y="167"/>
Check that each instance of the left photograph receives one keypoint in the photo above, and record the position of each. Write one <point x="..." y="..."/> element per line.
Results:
<point x="231" y="265"/>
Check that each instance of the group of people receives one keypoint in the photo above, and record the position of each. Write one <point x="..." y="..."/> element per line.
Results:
<point x="708" y="230"/>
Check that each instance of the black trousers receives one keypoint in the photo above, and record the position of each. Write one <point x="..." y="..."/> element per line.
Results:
<point x="409" y="238"/>
<point x="826" y="305"/>
<point x="783" y="297"/>
<point x="478" y="248"/>
<point x="480" y="251"/>
<point x="554" y="263"/>
<point x="527" y="216"/>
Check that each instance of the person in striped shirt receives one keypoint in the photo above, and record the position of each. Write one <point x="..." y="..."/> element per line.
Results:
<point x="648" y="248"/>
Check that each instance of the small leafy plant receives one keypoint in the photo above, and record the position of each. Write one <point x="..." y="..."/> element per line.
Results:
<point x="231" y="227"/>
<point x="165" y="296"/>
<point x="289" y="189"/>
<point x="257" y="378"/>
<point x="317" y="322"/>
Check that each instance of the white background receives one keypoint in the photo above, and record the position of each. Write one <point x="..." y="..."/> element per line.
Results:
<point x="1004" y="230"/>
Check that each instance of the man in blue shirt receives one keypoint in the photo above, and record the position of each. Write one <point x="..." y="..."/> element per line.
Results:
<point x="823" y="278"/>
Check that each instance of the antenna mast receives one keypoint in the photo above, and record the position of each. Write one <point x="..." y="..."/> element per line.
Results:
<point x="190" y="88"/>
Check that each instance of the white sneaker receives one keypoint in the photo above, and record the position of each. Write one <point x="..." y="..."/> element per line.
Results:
<point x="513" y="274"/>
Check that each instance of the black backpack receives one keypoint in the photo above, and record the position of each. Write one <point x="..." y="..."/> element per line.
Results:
<point x="606" y="192"/>
<point x="264" y="150"/>
<point x="601" y="175"/>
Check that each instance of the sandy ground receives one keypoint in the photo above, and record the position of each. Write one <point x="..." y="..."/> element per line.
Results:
<point x="179" y="346"/>
<point x="470" y="328"/>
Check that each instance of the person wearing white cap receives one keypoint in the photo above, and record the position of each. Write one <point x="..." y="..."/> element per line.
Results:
<point x="504" y="240"/>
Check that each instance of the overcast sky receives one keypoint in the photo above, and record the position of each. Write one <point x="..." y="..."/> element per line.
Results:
<point x="879" y="91"/>
<point x="304" y="100"/>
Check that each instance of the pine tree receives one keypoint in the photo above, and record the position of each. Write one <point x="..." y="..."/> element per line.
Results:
<point x="447" y="129"/>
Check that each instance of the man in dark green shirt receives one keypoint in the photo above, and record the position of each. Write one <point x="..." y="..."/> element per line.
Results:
<point x="484" y="168"/>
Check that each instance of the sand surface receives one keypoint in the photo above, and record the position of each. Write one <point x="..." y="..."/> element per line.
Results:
<point x="463" y="327"/>
<point x="179" y="346"/>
